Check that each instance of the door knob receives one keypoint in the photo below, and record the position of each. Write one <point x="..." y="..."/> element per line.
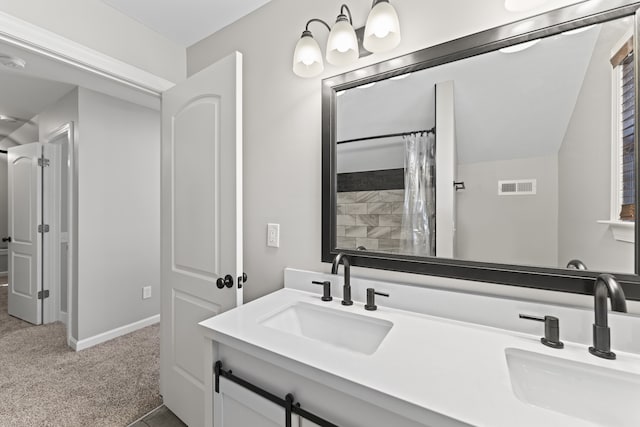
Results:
<point x="227" y="281"/>
<point x="242" y="279"/>
<point x="6" y="239"/>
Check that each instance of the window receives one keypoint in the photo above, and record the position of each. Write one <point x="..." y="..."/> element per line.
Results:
<point x="623" y="201"/>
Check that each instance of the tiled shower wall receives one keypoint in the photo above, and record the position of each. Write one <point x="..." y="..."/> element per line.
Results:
<point x="372" y="219"/>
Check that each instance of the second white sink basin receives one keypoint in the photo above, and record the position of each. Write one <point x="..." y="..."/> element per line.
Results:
<point x="348" y="331"/>
<point x="593" y="393"/>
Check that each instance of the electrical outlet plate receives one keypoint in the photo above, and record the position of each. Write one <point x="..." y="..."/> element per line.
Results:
<point x="146" y="292"/>
<point x="273" y="235"/>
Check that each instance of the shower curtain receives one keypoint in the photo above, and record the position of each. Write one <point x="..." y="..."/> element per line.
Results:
<point x="419" y="213"/>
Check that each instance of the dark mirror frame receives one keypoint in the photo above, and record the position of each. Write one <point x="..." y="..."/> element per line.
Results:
<point x="548" y="24"/>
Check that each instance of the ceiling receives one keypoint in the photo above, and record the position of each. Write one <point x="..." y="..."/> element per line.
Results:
<point x="22" y="97"/>
<point x="186" y="21"/>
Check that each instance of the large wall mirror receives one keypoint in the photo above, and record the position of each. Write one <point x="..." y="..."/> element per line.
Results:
<point x="497" y="157"/>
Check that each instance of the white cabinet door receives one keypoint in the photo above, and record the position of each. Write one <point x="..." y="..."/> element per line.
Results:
<point x="25" y="214"/>
<point x="236" y="406"/>
<point x="201" y="225"/>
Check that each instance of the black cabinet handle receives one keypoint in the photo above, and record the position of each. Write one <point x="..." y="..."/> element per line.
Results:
<point x="7" y="239"/>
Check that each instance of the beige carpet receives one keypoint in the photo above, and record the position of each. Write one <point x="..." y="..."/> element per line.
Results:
<point x="45" y="383"/>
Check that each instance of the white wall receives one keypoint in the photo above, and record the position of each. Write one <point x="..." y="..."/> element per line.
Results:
<point x="509" y="229"/>
<point x="282" y="136"/>
<point x="585" y="172"/>
<point x="103" y="28"/>
<point x="118" y="213"/>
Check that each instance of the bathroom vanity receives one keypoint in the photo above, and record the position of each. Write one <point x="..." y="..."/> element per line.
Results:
<point x="407" y="364"/>
<point x="432" y="356"/>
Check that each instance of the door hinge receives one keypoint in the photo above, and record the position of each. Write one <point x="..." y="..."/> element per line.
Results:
<point x="43" y="294"/>
<point x="42" y="162"/>
<point x="43" y="228"/>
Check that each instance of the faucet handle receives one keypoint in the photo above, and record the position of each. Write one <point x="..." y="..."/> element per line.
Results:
<point x="326" y="288"/>
<point x="551" y="330"/>
<point x="371" y="299"/>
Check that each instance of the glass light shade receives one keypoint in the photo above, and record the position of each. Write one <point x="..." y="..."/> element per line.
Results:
<point x="342" y="46"/>
<point x="522" y="5"/>
<point x="307" y="57"/>
<point x="519" y="47"/>
<point x="382" y="31"/>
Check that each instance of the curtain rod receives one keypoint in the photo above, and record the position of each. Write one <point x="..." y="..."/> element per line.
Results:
<point x="389" y="135"/>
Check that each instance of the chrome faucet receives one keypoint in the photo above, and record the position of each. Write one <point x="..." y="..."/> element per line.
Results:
<point x="346" y="289"/>
<point x="577" y="264"/>
<point x="606" y="286"/>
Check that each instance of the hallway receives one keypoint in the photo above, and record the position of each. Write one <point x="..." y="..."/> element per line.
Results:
<point x="43" y="382"/>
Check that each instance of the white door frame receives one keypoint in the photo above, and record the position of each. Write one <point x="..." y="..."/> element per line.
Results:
<point x="32" y="38"/>
<point x="68" y="130"/>
<point x="25" y="35"/>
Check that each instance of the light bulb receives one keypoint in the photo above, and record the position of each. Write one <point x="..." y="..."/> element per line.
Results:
<point x="382" y="31"/>
<point x="519" y="47"/>
<point x="342" y="45"/>
<point x="307" y="57"/>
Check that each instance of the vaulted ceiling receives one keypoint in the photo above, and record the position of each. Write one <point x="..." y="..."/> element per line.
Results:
<point x="186" y="21"/>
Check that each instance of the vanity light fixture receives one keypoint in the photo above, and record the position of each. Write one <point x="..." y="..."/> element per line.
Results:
<point x="578" y="30"/>
<point x="7" y="119"/>
<point x="519" y="47"/>
<point x="401" y="76"/>
<point x="381" y="33"/>
<point x="12" y="62"/>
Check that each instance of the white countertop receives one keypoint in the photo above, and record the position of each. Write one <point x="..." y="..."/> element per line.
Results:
<point x="445" y="366"/>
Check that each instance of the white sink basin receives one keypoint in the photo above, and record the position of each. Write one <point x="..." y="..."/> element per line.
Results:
<point x="355" y="332"/>
<point x="593" y="393"/>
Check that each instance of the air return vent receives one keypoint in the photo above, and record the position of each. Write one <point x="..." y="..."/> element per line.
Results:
<point x="517" y="187"/>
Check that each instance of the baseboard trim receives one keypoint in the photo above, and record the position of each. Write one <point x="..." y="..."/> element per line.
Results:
<point x="83" y="344"/>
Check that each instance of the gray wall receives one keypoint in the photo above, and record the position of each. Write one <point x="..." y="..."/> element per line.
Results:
<point x="585" y="173"/>
<point x="118" y="212"/>
<point x="282" y="154"/>
<point x="508" y="229"/>
<point x="118" y="226"/>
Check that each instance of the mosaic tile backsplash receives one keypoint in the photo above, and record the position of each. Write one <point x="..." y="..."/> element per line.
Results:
<point x="372" y="219"/>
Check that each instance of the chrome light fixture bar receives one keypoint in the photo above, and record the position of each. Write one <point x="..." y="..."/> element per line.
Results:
<point x="381" y="33"/>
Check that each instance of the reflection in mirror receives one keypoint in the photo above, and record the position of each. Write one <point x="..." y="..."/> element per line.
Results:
<point x="538" y="139"/>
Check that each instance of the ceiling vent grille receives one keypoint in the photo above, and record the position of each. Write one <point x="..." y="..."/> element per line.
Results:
<point x="517" y="187"/>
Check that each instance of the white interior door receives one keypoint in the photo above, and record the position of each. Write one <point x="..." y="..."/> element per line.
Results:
<point x="201" y="231"/>
<point x="25" y="214"/>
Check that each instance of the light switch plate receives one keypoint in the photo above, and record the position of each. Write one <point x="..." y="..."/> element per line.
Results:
<point x="273" y="235"/>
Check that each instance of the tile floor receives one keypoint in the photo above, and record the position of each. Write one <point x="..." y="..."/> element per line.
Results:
<point x="161" y="417"/>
